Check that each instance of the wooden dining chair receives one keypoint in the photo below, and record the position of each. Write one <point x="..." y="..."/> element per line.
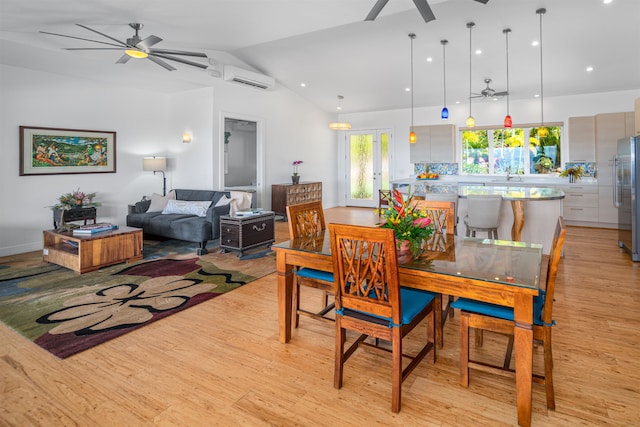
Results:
<point x="496" y="318"/>
<point x="443" y="216"/>
<point x="371" y="302"/>
<point x="307" y="220"/>
<point x="384" y="199"/>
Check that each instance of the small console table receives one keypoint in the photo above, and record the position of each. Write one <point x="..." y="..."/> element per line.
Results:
<point x="243" y="231"/>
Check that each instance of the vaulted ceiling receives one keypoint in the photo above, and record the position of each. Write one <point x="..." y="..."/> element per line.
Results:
<point x="327" y="45"/>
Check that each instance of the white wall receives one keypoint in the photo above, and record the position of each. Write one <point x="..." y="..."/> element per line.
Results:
<point x="146" y="123"/>
<point x="487" y="113"/>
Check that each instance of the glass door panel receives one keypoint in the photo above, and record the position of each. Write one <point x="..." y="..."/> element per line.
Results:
<point x="367" y="167"/>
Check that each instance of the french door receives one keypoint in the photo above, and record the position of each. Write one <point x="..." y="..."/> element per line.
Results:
<point x="367" y="166"/>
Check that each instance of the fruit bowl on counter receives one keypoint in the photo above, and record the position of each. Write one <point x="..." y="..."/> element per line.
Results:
<point x="426" y="176"/>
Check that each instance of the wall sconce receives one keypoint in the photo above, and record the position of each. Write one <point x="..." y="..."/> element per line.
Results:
<point x="156" y="164"/>
<point x="186" y="138"/>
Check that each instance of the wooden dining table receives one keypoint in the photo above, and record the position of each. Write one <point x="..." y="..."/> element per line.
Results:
<point x="494" y="271"/>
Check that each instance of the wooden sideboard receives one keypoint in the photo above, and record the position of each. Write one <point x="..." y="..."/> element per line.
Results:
<point x="283" y="195"/>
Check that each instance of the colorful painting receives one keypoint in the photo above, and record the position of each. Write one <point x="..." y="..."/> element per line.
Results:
<point x="47" y="151"/>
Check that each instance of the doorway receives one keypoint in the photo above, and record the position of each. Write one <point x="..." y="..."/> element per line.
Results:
<point x="368" y="160"/>
<point x="241" y="158"/>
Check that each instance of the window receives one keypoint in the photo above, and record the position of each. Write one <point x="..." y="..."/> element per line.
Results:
<point x="526" y="150"/>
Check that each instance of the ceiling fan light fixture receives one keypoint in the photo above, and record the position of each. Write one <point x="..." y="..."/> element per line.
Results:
<point x="134" y="53"/>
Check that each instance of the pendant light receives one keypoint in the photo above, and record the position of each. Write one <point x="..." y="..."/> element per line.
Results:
<point x="412" y="134"/>
<point x="444" y="115"/>
<point x="507" y="119"/>
<point x="340" y="125"/>
<point x="542" y="130"/>
<point x="471" y="122"/>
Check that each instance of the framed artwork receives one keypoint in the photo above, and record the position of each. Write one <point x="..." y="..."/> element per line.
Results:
<point x="49" y="151"/>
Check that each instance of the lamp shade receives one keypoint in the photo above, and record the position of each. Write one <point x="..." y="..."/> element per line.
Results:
<point x="154" y="164"/>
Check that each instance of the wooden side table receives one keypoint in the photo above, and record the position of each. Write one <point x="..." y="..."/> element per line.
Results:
<point x="239" y="233"/>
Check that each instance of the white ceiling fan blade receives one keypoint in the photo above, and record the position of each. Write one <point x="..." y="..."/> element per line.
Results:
<point x="161" y="63"/>
<point x="148" y="42"/>
<point x="181" y="60"/>
<point x="123" y="59"/>
<point x="80" y="38"/>
<point x="178" y="52"/>
<point x="425" y="10"/>
<point x="102" y="34"/>
<point x="373" y="14"/>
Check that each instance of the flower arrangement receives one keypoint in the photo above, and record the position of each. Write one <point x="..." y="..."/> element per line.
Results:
<point x="573" y="172"/>
<point x="295" y="165"/>
<point x="409" y="224"/>
<point x="77" y="199"/>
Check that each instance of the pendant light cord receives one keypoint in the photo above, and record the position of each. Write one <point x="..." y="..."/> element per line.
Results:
<point x="541" y="12"/>
<point x="444" y="71"/>
<point x="506" y="32"/>
<point x="470" y="25"/>
<point x="412" y="36"/>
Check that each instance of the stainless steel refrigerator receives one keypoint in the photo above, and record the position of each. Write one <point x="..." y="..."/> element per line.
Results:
<point x="625" y="195"/>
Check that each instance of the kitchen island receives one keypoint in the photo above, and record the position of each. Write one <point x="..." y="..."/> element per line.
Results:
<point x="530" y="216"/>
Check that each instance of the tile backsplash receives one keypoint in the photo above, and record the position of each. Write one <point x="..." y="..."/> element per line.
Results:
<point x="439" y="168"/>
<point x="590" y="168"/>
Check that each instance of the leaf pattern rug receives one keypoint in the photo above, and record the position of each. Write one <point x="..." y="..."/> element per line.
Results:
<point x="65" y="313"/>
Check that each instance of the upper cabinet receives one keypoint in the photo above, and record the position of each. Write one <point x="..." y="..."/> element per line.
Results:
<point x="582" y="139"/>
<point x="434" y="144"/>
<point x="637" y="117"/>
<point x="610" y="127"/>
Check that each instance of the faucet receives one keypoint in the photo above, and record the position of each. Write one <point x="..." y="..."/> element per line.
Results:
<point x="509" y="173"/>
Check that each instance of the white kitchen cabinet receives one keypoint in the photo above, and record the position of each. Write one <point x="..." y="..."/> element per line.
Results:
<point x="582" y="139"/>
<point x="637" y="117"/>
<point x="630" y="124"/>
<point x="435" y="144"/>
<point x="607" y="212"/>
<point x="580" y="203"/>
<point x="610" y="128"/>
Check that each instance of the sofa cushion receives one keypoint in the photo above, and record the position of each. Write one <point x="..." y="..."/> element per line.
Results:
<point x="159" y="202"/>
<point x="187" y="207"/>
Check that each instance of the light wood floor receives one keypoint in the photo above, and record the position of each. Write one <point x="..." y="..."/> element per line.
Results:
<point x="220" y="363"/>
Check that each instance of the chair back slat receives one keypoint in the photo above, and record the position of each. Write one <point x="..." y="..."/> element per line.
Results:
<point x="442" y="214"/>
<point x="305" y="219"/>
<point x="365" y="270"/>
<point x="552" y="270"/>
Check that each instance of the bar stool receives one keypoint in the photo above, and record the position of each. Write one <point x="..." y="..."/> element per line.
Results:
<point x="483" y="215"/>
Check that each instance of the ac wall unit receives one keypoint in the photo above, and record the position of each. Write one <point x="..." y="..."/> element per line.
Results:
<point x="249" y="78"/>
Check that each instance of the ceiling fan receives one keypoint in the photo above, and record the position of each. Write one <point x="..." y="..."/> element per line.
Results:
<point x="136" y="47"/>
<point x="488" y="92"/>
<point x="422" y="5"/>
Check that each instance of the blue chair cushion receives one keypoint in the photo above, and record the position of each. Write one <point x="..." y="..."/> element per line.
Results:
<point x="500" y="311"/>
<point x="311" y="273"/>
<point x="412" y="301"/>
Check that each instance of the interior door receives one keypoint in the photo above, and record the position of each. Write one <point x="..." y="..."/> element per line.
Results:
<point x="367" y="166"/>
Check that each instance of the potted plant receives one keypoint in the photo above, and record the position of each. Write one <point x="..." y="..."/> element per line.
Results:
<point x="573" y="172"/>
<point x="295" y="178"/>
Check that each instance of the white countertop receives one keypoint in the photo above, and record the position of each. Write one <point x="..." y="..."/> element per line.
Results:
<point x="498" y="181"/>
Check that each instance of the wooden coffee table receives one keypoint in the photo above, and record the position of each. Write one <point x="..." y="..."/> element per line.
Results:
<point x="89" y="253"/>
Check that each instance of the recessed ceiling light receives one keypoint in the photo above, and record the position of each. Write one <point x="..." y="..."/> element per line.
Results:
<point x="537" y="95"/>
<point x="429" y="59"/>
<point x="589" y="68"/>
<point x="478" y="51"/>
<point x="607" y="1"/>
<point x="407" y="89"/>
<point x="457" y="102"/>
<point x="303" y="85"/>
<point x="535" y="43"/>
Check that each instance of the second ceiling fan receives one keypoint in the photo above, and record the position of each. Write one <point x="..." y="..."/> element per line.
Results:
<point x="422" y="6"/>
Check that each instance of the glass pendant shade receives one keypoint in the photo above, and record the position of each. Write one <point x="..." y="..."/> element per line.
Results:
<point x="471" y="122"/>
<point x="444" y="114"/>
<point x="412" y="137"/>
<point x="507" y="121"/>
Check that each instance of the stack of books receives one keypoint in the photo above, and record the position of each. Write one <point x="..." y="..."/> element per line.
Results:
<point x="84" y="230"/>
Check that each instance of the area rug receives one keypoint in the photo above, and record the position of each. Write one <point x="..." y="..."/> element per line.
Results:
<point x="66" y="313"/>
